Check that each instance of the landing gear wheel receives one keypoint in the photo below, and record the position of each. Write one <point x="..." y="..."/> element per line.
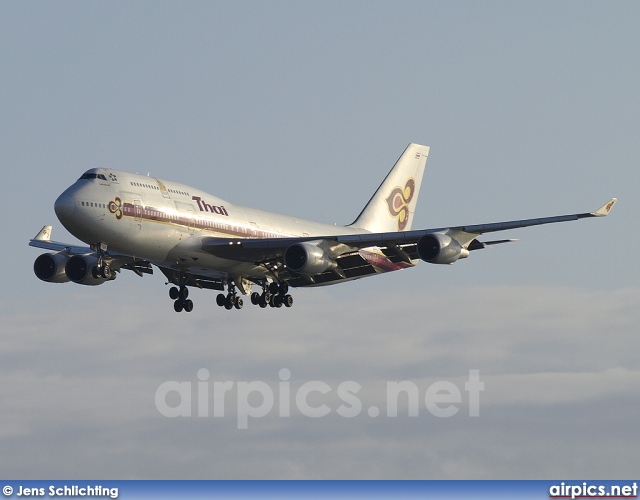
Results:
<point x="255" y="298"/>
<point x="238" y="302"/>
<point x="95" y="272"/>
<point x="274" y="287"/>
<point x="287" y="300"/>
<point x="263" y="301"/>
<point x="283" y="288"/>
<point x="220" y="299"/>
<point x="178" y="306"/>
<point x="228" y="303"/>
<point x="184" y="293"/>
<point x="188" y="305"/>
<point x="174" y="293"/>
<point x="107" y="273"/>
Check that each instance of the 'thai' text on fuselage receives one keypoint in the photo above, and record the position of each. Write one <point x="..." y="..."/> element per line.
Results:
<point x="205" y="207"/>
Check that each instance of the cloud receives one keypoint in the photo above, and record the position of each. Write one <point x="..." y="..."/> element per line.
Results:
<point x="78" y="377"/>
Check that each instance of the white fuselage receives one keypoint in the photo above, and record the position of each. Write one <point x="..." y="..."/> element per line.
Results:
<point x="163" y="222"/>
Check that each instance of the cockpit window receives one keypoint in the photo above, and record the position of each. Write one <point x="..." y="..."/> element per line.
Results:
<point x="93" y="176"/>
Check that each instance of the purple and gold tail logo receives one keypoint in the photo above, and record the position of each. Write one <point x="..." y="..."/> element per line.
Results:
<point x="115" y="207"/>
<point x="398" y="203"/>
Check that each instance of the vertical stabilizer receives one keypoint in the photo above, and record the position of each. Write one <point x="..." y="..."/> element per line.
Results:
<point x="392" y="206"/>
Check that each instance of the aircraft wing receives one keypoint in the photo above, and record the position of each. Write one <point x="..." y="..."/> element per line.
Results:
<point x="42" y="240"/>
<point x="399" y="248"/>
<point x="117" y="261"/>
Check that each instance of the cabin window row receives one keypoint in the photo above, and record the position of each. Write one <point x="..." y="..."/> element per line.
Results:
<point x="156" y="188"/>
<point x="93" y="204"/>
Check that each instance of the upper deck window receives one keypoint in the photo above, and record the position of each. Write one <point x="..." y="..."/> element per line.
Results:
<point x="89" y="176"/>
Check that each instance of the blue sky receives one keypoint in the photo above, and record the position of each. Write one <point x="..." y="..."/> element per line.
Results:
<point x="530" y="110"/>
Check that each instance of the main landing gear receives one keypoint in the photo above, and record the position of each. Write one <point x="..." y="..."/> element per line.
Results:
<point x="181" y="300"/>
<point x="273" y="295"/>
<point x="230" y="300"/>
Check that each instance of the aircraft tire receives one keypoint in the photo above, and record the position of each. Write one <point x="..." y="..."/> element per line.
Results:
<point x="174" y="293"/>
<point x="188" y="305"/>
<point x="107" y="273"/>
<point x="184" y="293"/>
<point x="238" y="302"/>
<point x="287" y="300"/>
<point x="283" y="288"/>
<point x="178" y="306"/>
<point x="220" y="299"/>
<point x="255" y="298"/>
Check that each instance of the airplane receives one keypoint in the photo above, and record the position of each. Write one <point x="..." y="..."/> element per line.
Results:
<point x="134" y="222"/>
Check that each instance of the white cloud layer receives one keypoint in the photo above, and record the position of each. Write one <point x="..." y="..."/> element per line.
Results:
<point x="560" y="366"/>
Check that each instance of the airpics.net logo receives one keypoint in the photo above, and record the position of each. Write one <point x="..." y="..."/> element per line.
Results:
<point x="314" y="399"/>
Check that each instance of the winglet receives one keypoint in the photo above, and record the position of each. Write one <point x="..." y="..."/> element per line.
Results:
<point x="44" y="234"/>
<point x="605" y="209"/>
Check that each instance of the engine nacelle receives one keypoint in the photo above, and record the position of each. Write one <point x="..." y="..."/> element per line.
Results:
<point x="307" y="258"/>
<point x="438" y="248"/>
<point x="79" y="267"/>
<point x="49" y="267"/>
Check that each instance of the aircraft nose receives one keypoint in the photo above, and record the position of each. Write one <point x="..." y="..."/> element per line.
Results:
<point x="64" y="206"/>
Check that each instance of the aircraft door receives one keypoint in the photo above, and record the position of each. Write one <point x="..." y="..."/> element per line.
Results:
<point x="187" y="216"/>
<point x="163" y="189"/>
<point x="137" y="210"/>
<point x="133" y="206"/>
<point x="192" y="221"/>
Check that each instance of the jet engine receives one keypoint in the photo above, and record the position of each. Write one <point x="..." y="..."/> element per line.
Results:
<point x="79" y="270"/>
<point x="307" y="258"/>
<point x="438" y="248"/>
<point x="50" y="267"/>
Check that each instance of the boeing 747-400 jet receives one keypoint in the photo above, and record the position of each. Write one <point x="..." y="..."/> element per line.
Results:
<point x="135" y="222"/>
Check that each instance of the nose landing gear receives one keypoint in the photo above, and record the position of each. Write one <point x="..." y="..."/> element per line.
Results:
<point x="102" y="269"/>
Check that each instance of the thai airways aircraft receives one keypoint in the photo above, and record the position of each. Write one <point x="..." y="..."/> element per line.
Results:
<point x="135" y="222"/>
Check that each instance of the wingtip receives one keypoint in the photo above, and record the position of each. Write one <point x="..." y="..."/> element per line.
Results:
<point x="44" y="234"/>
<point x="604" y="210"/>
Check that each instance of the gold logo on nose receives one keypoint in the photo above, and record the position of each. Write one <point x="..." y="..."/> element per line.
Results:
<point x="115" y="207"/>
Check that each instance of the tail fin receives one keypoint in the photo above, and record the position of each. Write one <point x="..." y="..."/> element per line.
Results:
<point x="392" y="206"/>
